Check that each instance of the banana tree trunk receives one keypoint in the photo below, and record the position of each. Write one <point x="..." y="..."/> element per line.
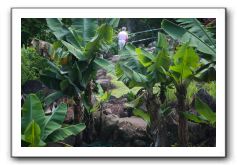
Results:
<point x="153" y="107"/>
<point x="181" y="93"/>
<point x="88" y="116"/>
<point x="78" y="117"/>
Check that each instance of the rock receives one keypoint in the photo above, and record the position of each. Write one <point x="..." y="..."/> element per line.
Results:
<point x="108" y="125"/>
<point x="132" y="128"/>
<point x="105" y="84"/>
<point x="202" y="135"/>
<point x="115" y="106"/>
<point x="121" y="132"/>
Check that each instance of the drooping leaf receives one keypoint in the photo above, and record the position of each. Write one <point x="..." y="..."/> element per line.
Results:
<point x="195" y="27"/>
<point x="54" y="121"/>
<point x="185" y="35"/>
<point x="75" y="51"/>
<point x="62" y="133"/>
<point x="143" y="58"/>
<point x="205" y="111"/>
<point x="61" y="31"/>
<point x="194" y="118"/>
<point x="133" y="75"/>
<point x="57" y="27"/>
<point x="120" y="89"/>
<point x="105" y="64"/>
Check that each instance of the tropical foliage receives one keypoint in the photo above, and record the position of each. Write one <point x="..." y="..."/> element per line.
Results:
<point x="38" y="129"/>
<point x="160" y="84"/>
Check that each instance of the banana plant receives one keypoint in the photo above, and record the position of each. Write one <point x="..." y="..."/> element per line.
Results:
<point x="185" y="62"/>
<point x="37" y="129"/>
<point x="193" y="31"/>
<point x="83" y="39"/>
<point x="141" y="68"/>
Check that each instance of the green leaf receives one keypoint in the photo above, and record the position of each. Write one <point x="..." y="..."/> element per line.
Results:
<point x="54" y="121"/>
<point x="32" y="110"/>
<point x="105" y="96"/>
<point x="194" y="118"/>
<point x="57" y="27"/>
<point x="179" y="33"/>
<point x="75" y="51"/>
<point x="142" y="58"/>
<point x="162" y="41"/>
<point x="135" y="103"/>
<point x="62" y="133"/>
<point x="185" y="61"/>
<point x="105" y="64"/>
<point x="133" y="75"/>
<point x="135" y="90"/>
<point x="85" y="27"/>
<point x="105" y="32"/>
<point x="61" y="31"/>
<point x="114" y="22"/>
<point x="162" y="60"/>
<point x="32" y="134"/>
<point x="140" y="113"/>
<point x="131" y="49"/>
<point x="52" y="97"/>
<point x="204" y="110"/>
<point x="120" y="89"/>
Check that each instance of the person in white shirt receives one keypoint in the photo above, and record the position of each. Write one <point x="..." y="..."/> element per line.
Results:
<point x="122" y="38"/>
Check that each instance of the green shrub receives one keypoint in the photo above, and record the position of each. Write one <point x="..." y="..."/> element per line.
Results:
<point x="31" y="64"/>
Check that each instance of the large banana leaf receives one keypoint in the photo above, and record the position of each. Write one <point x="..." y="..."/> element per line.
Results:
<point x="195" y="27"/>
<point x="205" y="111"/>
<point x="75" y="51"/>
<point x="120" y="89"/>
<point x="61" y="31"/>
<point x="32" y="110"/>
<point x="195" y="35"/>
<point x="105" y="64"/>
<point x="54" y="121"/>
<point x="32" y="134"/>
<point x="206" y="115"/>
<point x="85" y="27"/>
<point x="65" y="132"/>
<point x="185" y="61"/>
<point x="144" y="57"/>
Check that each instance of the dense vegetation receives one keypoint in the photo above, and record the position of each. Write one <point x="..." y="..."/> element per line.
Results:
<point x="158" y="91"/>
